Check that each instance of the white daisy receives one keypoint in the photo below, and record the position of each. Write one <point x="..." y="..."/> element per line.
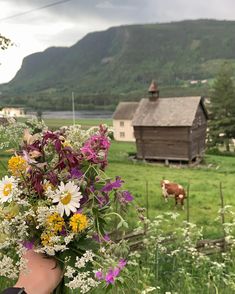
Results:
<point x="67" y="196"/>
<point x="7" y="187"/>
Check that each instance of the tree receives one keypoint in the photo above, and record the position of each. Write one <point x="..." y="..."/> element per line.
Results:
<point x="222" y="108"/>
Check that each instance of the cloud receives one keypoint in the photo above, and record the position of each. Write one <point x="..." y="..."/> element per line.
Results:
<point x="64" y="24"/>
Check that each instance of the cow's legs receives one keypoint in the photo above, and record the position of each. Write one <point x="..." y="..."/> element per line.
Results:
<point x="182" y="203"/>
<point x="176" y="202"/>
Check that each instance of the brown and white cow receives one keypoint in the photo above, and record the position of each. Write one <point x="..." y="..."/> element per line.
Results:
<point x="170" y="189"/>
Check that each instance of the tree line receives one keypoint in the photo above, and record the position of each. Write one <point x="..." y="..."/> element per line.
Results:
<point x="222" y="109"/>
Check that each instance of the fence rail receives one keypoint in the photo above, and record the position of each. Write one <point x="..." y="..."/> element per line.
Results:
<point x="205" y="246"/>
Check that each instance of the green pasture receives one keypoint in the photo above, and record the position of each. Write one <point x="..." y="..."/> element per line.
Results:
<point x="55" y="123"/>
<point x="143" y="180"/>
<point x="85" y="123"/>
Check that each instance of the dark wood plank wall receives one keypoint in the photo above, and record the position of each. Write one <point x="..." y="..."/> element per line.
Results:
<point x="162" y="142"/>
<point x="198" y="134"/>
<point x="173" y="143"/>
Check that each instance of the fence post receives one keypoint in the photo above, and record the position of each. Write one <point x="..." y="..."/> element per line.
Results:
<point x="222" y="213"/>
<point x="147" y="200"/>
<point x="188" y="201"/>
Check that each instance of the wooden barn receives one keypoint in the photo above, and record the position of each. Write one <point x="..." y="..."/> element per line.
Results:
<point x="170" y="128"/>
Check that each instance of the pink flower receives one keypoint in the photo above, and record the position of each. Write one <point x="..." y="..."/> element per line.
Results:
<point x="122" y="263"/>
<point x="99" y="275"/>
<point x="111" y="275"/>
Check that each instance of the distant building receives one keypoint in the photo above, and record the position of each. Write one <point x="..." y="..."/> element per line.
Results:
<point x="170" y="128"/>
<point x="122" y="121"/>
<point x="12" y="112"/>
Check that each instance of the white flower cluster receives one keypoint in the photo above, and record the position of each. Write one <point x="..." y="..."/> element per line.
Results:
<point x="11" y="135"/>
<point x="76" y="136"/>
<point x="42" y="214"/>
<point x="88" y="256"/>
<point x="8" y="268"/>
<point x="83" y="280"/>
<point x="148" y="290"/>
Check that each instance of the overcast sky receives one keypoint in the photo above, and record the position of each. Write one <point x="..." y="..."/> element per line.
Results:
<point x="34" y="25"/>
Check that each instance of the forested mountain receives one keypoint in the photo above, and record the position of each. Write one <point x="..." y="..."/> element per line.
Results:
<point x="119" y="63"/>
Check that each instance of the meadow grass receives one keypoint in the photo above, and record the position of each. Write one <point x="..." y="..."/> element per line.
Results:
<point x="203" y="181"/>
<point x="53" y="123"/>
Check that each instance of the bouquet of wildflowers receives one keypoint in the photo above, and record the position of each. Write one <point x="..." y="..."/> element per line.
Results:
<point x="56" y="199"/>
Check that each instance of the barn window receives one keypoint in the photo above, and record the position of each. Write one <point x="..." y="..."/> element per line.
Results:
<point x="121" y="123"/>
<point x="122" y="134"/>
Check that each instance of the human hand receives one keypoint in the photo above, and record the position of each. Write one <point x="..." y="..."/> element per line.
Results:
<point x="42" y="274"/>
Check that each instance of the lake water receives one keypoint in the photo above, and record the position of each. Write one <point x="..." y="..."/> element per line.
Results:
<point x="89" y="114"/>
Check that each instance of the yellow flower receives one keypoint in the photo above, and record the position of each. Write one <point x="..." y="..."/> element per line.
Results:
<point x="17" y="165"/>
<point x="78" y="222"/>
<point x="55" y="222"/>
<point x="46" y="239"/>
<point x="66" y="144"/>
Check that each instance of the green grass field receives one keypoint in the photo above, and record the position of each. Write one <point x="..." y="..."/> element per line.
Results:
<point x="203" y="181"/>
<point x="85" y="123"/>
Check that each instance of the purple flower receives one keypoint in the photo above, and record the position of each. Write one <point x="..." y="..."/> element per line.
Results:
<point x="113" y="185"/>
<point x="63" y="232"/>
<point x="79" y="211"/>
<point x="127" y="197"/>
<point x="103" y="200"/>
<point x="101" y="239"/>
<point x="124" y="197"/>
<point x="52" y="177"/>
<point x="28" y="244"/>
<point x="36" y="179"/>
<point x="75" y="173"/>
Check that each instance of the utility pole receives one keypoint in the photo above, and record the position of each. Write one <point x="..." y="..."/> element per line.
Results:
<point x="73" y="108"/>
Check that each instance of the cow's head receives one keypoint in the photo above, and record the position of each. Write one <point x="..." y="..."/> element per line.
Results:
<point x="163" y="182"/>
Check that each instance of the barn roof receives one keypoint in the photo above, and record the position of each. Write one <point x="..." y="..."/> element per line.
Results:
<point x="175" y="111"/>
<point x="125" y="110"/>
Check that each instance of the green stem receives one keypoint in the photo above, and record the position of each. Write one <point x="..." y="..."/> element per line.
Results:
<point x="118" y="215"/>
<point x="3" y="165"/>
<point x="26" y="183"/>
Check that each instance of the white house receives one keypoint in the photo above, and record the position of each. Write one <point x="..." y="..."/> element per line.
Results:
<point x="12" y="112"/>
<point x="122" y="121"/>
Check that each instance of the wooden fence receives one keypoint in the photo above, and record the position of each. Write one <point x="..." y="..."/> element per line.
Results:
<point x="206" y="246"/>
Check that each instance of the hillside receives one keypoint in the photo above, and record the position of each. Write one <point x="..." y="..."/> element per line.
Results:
<point x="119" y="63"/>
